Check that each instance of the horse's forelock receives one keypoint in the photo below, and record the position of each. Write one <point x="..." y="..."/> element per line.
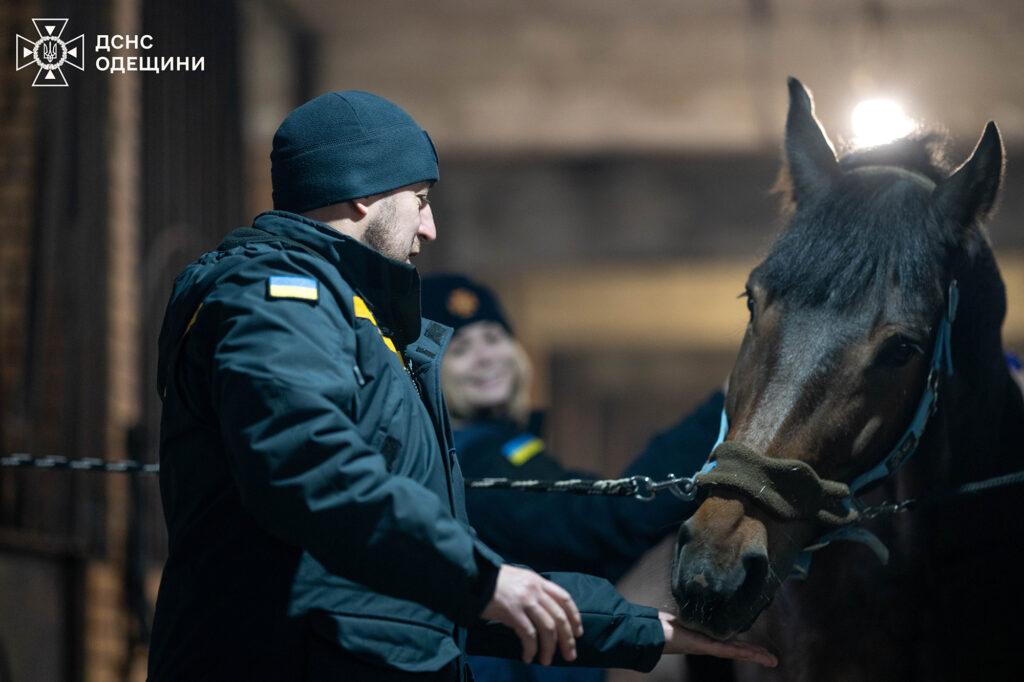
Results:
<point x="872" y="231"/>
<point x="922" y="152"/>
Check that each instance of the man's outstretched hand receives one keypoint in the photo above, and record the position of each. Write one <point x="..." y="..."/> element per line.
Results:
<point x="541" y="613"/>
<point x="679" y="640"/>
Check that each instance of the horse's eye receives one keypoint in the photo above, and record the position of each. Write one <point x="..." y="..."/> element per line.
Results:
<point x="897" y="352"/>
<point x="751" y="303"/>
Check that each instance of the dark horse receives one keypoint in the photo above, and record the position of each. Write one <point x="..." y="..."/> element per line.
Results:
<point x="844" y="315"/>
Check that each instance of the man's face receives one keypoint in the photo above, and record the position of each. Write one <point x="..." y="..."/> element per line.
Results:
<point x="400" y="221"/>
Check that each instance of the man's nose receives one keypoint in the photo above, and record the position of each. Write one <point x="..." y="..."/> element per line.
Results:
<point x="428" y="230"/>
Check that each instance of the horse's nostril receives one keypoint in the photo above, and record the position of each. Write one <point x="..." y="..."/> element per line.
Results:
<point x="684" y="535"/>
<point x="755" y="565"/>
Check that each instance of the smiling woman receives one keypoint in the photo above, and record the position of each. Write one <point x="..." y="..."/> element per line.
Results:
<point x="486" y="373"/>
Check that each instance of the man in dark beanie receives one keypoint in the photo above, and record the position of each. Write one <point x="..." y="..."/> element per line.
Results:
<point x="314" y="506"/>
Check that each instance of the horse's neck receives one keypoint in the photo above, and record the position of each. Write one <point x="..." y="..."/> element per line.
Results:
<point x="979" y="405"/>
<point x="1011" y="427"/>
<point x="984" y="425"/>
<point x="975" y="435"/>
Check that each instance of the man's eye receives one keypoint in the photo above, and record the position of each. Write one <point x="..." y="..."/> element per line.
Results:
<point x="424" y="200"/>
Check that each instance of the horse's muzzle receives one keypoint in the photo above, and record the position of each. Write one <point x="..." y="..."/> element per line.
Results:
<point x="720" y="597"/>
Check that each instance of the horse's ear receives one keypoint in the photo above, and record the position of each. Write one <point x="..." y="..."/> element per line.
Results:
<point x="809" y="153"/>
<point x="970" y="192"/>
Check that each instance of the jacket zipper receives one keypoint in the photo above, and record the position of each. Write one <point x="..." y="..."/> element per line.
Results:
<point x="412" y="377"/>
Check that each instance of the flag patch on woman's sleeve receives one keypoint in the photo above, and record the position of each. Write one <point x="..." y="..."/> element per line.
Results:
<point x="305" y="288"/>
<point x="522" y="449"/>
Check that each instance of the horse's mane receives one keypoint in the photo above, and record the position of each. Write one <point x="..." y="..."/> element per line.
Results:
<point x="874" y="229"/>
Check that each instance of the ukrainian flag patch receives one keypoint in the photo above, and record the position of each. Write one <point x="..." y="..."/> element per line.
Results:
<point x="303" y="288"/>
<point x="522" y="449"/>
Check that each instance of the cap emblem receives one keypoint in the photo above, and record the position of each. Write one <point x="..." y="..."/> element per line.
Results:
<point x="463" y="303"/>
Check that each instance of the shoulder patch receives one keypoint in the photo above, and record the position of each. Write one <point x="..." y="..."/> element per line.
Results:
<point x="522" y="449"/>
<point x="303" y="288"/>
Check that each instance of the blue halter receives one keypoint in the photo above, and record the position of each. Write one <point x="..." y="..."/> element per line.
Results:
<point x="942" y="362"/>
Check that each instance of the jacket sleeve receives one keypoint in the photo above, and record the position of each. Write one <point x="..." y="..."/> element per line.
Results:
<point x="284" y="391"/>
<point x="597" y="535"/>
<point x="616" y="633"/>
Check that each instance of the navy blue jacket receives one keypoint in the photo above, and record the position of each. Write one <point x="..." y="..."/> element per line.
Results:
<point x="314" y="504"/>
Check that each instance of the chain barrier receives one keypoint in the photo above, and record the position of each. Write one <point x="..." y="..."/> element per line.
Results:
<point x="128" y="466"/>
<point x="642" y="488"/>
<point x="965" y="490"/>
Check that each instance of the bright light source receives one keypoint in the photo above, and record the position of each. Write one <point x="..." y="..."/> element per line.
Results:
<point x="877" y="121"/>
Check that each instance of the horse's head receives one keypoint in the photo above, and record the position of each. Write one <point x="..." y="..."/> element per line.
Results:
<point x="844" y="314"/>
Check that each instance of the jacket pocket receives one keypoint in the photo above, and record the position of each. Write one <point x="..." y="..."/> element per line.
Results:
<point x="387" y="642"/>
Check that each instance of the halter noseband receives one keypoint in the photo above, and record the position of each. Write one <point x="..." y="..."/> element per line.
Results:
<point x="791" y="489"/>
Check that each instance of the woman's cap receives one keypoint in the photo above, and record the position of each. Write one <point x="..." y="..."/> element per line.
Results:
<point x="456" y="301"/>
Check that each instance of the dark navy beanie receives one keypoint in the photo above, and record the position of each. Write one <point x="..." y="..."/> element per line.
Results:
<point x="347" y="145"/>
<point x="456" y="300"/>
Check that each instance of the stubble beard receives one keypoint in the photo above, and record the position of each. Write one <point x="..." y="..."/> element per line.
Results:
<point x="381" y="232"/>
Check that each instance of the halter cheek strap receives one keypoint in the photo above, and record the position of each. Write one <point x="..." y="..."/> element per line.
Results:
<point x="941" y="362"/>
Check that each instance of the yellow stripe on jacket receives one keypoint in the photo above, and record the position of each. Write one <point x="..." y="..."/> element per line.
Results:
<point x="362" y="310"/>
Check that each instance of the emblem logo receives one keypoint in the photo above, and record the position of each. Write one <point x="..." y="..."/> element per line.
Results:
<point x="50" y="53"/>
<point x="463" y="303"/>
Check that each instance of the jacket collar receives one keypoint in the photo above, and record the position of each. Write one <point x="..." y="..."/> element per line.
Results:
<point x="427" y="352"/>
<point x="391" y="289"/>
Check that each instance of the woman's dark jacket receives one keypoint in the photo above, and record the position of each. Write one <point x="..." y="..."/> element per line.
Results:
<point x="601" y="536"/>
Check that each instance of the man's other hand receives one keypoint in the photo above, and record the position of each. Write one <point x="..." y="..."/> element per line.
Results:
<point x="540" y="612"/>
<point x="679" y="640"/>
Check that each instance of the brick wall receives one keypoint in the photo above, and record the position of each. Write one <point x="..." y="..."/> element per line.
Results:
<point x="17" y="169"/>
<point x="113" y="650"/>
<point x="56" y="240"/>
